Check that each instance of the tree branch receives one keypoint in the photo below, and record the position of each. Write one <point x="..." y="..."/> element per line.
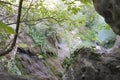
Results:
<point x="27" y="10"/>
<point x="4" y="2"/>
<point x="2" y="53"/>
<point x="8" y="17"/>
<point x="46" y="18"/>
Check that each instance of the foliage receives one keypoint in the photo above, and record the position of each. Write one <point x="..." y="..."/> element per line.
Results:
<point x="69" y="14"/>
<point x="108" y="43"/>
<point x="12" y="68"/>
<point x="89" y="35"/>
<point x="23" y="45"/>
<point x="45" y="39"/>
<point x="3" y="38"/>
<point x="9" y="65"/>
<point x="66" y="15"/>
<point x="38" y="36"/>
<point x="86" y="1"/>
<point x="5" y="28"/>
<point x="5" y="31"/>
<point x="74" y="14"/>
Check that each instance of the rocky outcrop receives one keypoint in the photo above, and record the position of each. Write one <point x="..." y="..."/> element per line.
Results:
<point x="110" y="10"/>
<point x="31" y="65"/>
<point x="89" y="65"/>
<point x="8" y="76"/>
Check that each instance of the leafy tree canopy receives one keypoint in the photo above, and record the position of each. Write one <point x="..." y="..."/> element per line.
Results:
<point x="68" y="14"/>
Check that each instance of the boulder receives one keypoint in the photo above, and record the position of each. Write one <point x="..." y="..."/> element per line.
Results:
<point x="89" y="65"/>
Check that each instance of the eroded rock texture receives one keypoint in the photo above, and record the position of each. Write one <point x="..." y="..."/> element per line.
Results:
<point x="33" y="66"/>
<point x="93" y="66"/>
<point x="110" y="10"/>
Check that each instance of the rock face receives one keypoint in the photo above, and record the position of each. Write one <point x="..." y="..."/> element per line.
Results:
<point x="93" y="66"/>
<point x="110" y="10"/>
<point x="6" y="76"/>
<point x="33" y="66"/>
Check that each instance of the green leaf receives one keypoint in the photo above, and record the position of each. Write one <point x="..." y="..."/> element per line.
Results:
<point x="5" y="28"/>
<point x="23" y="45"/>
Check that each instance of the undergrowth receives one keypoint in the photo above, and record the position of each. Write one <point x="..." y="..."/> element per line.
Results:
<point x="38" y="36"/>
<point x="3" y="40"/>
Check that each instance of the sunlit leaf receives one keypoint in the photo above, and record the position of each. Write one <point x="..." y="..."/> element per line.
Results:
<point x="5" y="28"/>
<point x="23" y="45"/>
